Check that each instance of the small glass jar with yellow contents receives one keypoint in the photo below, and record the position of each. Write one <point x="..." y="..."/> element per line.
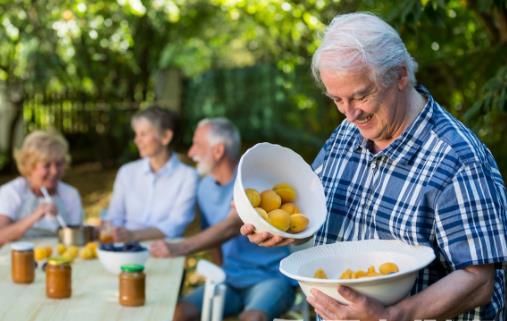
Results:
<point x="58" y="278"/>
<point x="132" y="285"/>
<point x="22" y="262"/>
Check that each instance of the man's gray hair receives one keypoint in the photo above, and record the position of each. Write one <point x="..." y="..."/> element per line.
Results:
<point x="354" y="40"/>
<point x="224" y="131"/>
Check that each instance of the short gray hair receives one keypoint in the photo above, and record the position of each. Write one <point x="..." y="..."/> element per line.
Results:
<point x="224" y="131"/>
<point x="354" y="40"/>
<point x="161" y="119"/>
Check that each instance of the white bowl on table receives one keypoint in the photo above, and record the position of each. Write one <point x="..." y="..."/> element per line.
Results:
<point x="112" y="261"/>
<point x="265" y="165"/>
<point x="336" y="258"/>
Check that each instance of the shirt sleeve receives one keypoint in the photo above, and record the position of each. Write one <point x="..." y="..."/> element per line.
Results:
<point x="10" y="201"/>
<point x="116" y="211"/>
<point x="471" y="219"/>
<point x="183" y="211"/>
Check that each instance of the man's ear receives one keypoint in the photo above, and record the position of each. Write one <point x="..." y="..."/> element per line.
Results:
<point x="218" y="151"/>
<point x="167" y="137"/>
<point x="403" y="79"/>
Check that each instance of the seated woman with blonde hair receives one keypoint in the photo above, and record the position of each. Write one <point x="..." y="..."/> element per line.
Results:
<point x="24" y="211"/>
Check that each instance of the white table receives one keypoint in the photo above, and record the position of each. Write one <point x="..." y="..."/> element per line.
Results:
<point x="94" y="292"/>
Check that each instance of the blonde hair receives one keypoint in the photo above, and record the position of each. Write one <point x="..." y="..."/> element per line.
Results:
<point x="41" y="146"/>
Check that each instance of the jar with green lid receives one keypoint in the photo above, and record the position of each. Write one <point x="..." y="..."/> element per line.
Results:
<point x="22" y="262"/>
<point x="132" y="285"/>
<point x="58" y="278"/>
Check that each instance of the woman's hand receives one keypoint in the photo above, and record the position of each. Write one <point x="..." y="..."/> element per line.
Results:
<point x="45" y="208"/>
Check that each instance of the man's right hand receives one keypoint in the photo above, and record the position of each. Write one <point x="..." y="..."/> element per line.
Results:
<point x="265" y="239"/>
<point x="163" y="249"/>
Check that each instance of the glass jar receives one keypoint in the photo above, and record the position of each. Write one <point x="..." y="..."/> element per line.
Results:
<point x="22" y="262"/>
<point x="132" y="285"/>
<point x="58" y="278"/>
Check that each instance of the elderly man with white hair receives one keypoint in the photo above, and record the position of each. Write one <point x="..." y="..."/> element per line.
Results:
<point x="256" y="290"/>
<point x="401" y="167"/>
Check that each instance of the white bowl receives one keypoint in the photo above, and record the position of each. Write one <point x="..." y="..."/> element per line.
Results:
<point x="112" y="261"/>
<point x="336" y="258"/>
<point x="265" y="165"/>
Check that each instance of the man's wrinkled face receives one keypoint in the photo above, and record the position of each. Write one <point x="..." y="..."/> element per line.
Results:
<point x="201" y="150"/>
<point x="376" y="111"/>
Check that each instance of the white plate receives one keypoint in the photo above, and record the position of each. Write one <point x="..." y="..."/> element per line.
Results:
<point x="336" y="258"/>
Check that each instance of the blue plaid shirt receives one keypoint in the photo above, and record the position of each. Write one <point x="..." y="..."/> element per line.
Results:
<point x="435" y="185"/>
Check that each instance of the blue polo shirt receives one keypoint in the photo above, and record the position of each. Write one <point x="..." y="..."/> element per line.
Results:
<point x="244" y="263"/>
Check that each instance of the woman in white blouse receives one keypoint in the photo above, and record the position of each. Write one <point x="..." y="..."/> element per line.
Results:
<point x="153" y="197"/>
<point x="24" y="211"/>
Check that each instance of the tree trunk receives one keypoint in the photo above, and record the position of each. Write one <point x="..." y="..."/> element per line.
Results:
<point x="11" y="134"/>
<point x="15" y="96"/>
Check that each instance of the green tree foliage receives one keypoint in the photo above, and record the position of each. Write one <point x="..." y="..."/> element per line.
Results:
<point x="110" y="50"/>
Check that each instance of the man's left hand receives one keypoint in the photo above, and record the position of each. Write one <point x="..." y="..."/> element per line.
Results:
<point x="163" y="249"/>
<point x="121" y="234"/>
<point x="360" y="307"/>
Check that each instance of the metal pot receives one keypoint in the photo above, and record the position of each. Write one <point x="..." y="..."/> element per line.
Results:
<point x="77" y="235"/>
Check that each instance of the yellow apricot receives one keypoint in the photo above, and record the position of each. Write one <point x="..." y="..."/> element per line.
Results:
<point x="388" y="268"/>
<point x="92" y="245"/>
<point x="262" y="212"/>
<point x="290" y="208"/>
<point x="270" y="200"/>
<point x="371" y="271"/>
<point x="347" y="274"/>
<point x="40" y="253"/>
<point x="72" y="251"/>
<point x="253" y="196"/>
<point x="86" y="253"/>
<point x="359" y="274"/>
<point x="286" y="192"/>
<point x="279" y="219"/>
<point x="60" y="248"/>
<point x="298" y="223"/>
<point x="320" y="274"/>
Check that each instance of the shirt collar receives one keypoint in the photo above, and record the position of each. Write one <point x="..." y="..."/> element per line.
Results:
<point x="166" y="170"/>
<point x="404" y="148"/>
<point x="230" y="182"/>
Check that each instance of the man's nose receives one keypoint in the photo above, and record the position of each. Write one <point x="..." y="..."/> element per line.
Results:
<point x="190" y="152"/>
<point x="350" y="112"/>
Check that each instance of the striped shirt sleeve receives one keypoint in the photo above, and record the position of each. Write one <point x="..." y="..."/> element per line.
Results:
<point x="470" y="218"/>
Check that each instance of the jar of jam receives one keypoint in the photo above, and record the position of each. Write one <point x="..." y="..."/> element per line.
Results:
<point x="22" y="262"/>
<point x="58" y="278"/>
<point x="132" y="285"/>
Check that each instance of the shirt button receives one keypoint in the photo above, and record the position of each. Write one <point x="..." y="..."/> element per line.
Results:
<point x="373" y="165"/>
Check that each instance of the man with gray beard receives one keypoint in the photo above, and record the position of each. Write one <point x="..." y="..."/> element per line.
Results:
<point x="256" y="290"/>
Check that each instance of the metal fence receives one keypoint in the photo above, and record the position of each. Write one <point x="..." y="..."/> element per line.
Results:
<point x="266" y="103"/>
